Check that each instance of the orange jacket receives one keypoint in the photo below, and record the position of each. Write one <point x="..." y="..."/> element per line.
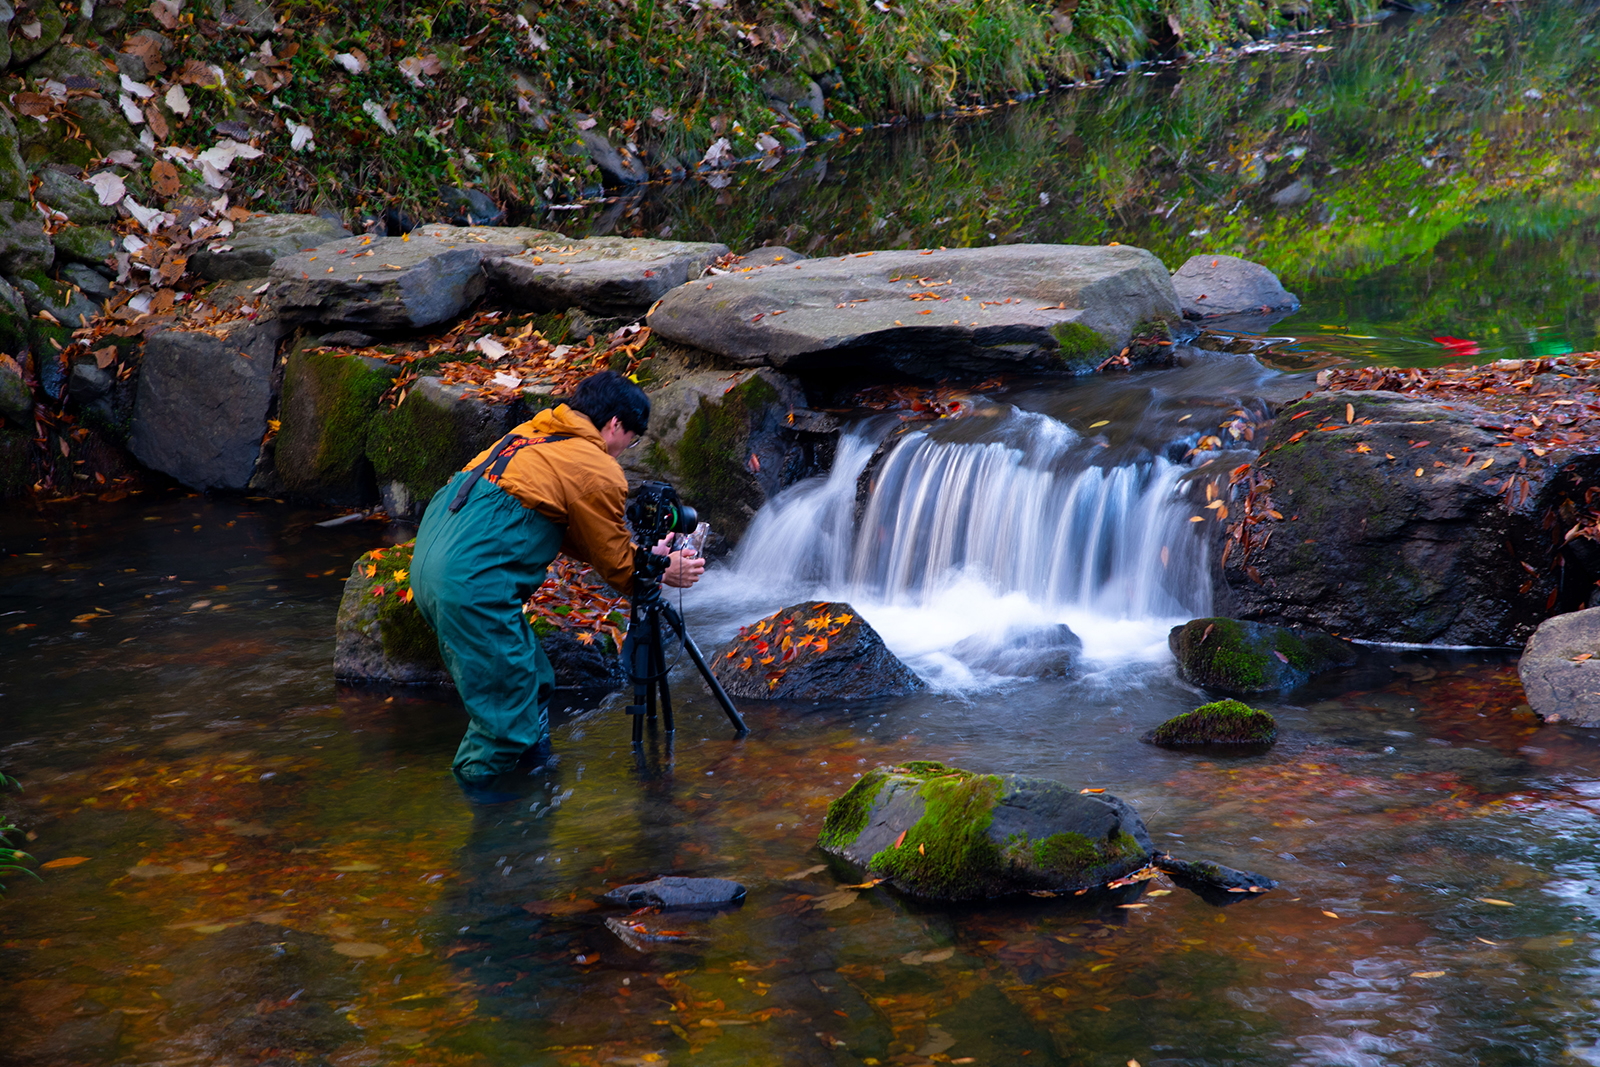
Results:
<point x="576" y="485"/>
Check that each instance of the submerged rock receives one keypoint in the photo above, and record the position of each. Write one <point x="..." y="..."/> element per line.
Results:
<point x="928" y="314"/>
<point x="811" y="651"/>
<point x="1214" y="285"/>
<point x="1225" y="722"/>
<point x="1018" y="652"/>
<point x="675" y="892"/>
<point x="1560" y="670"/>
<point x="942" y="833"/>
<point x="1232" y="656"/>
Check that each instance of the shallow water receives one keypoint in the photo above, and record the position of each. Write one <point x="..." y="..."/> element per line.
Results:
<point x="268" y="864"/>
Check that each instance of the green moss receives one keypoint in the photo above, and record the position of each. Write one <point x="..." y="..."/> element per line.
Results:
<point x="1231" y="660"/>
<point x="658" y="457"/>
<point x="947" y="852"/>
<point x="712" y="453"/>
<point x="1066" y="854"/>
<point x="416" y="444"/>
<point x="1225" y="722"/>
<point x="847" y="816"/>
<point x="328" y="404"/>
<point x="1080" y="346"/>
<point x="404" y="634"/>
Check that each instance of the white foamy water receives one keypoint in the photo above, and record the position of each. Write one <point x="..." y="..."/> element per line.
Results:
<point x="970" y="556"/>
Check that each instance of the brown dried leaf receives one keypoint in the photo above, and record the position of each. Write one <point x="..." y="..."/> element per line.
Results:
<point x="163" y="175"/>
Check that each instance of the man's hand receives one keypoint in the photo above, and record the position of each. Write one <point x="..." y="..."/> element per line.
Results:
<point x="685" y="568"/>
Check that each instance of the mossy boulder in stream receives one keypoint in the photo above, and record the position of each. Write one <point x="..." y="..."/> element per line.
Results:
<point x="329" y="400"/>
<point x="942" y="833"/>
<point x="1225" y="722"/>
<point x="1240" y="658"/>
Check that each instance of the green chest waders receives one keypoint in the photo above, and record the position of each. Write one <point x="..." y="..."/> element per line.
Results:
<point x="480" y="554"/>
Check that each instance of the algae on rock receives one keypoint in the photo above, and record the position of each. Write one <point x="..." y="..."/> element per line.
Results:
<point x="1224" y="722"/>
<point x="1232" y="656"/>
<point x="326" y="410"/>
<point x="943" y="833"/>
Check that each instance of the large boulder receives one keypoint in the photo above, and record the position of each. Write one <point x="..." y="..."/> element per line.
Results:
<point x="706" y="426"/>
<point x="378" y="283"/>
<point x="1398" y="524"/>
<point x="260" y="241"/>
<point x="929" y="314"/>
<point x="201" y="409"/>
<point x="36" y="32"/>
<point x="1215" y="285"/>
<point x="813" y="652"/>
<point x="1241" y="658"/>
<point x="946" y="834"/>
<point x="328" y="402"/>
<point x="380" y="636"/>
<point x="1560" y="668"/>
<point x="614" y="276"/>
<point x="24" y="245"/>
<point x="417" y="445"/>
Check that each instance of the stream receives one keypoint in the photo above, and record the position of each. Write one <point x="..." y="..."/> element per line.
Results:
<point x="243" y="862"/>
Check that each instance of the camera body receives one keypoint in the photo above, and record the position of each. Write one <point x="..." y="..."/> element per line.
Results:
<point x="655" y="511"/>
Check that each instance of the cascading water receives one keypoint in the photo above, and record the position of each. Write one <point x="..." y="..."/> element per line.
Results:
<point x="980" y="542"/>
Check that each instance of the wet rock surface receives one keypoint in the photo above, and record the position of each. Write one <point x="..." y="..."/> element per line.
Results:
<point x="676" y="892"/>
<point x="1224" y="723"/>
<point x="1232" y="656"/>
<point x="201" y="408"/>
<point x="1210" y="286"/>
<point x="813" y="651"/>
<point x="1425" y="547"/>
<point x="603" y="275"/>
<point x="1060" y="308"/>
<point x="942" y="833"/>
<point x="259" y="242"/>
<point x="1560" y="671"/>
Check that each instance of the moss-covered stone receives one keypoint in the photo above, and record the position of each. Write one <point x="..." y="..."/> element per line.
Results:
<point x="52" y="24"/>
<point x="944" y="833"/>
<point x="1081" y="347"/>
<point x="328" y="404"/>
<point x="84" y="244"/>
<point x="1242" y="658"/>
<point x="712" y="457"/>
<point x="1225" y="722"/>
<point x="381" y="636"/>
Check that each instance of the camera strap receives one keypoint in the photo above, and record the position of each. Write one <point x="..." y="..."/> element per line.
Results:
<point x="494" y="466"/>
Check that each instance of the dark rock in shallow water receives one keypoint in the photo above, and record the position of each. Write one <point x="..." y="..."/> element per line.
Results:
<point x="1561" y="686"/>
<point x="1370" y="548"/>
<point x="1231" y="656"/>
<point x="1214" y="883"/>
<point x="1226" y="722"/>
<point x="1023" y="652"/>
<point x="815" y="651"/>
<point x="942" y="833"/>
<point x="674" y="892"/>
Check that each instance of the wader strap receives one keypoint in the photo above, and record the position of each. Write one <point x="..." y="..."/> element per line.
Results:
<point x="495" y="466"/>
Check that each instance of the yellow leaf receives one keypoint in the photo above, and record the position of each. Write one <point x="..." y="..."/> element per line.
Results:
<point x="1500" y="903"/>
<point x="64" y="861"/>
<point x="1330" y="914"/>
<point x="1102" y="422"/>
<point x="1427" y="974"/>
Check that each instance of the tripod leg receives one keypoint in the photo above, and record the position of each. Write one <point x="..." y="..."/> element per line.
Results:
<point x="739" y="728"/>
<point x="639" y="674"/>
<point x="660" y="669"/>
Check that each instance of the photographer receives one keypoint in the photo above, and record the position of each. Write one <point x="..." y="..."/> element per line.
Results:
<point x="551" y="485"/>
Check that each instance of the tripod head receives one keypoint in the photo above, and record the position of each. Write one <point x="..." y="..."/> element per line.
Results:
<point x="654" y="512"/>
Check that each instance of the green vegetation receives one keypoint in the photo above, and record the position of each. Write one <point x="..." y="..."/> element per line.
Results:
<point x="328" y="405"/>
<point x="1225" y="722"/>
<point x="11" y="859"/>
<point x="947" y="853"/>
<point x="711" y="455"/>
<point x="848" y="815"/>
<point x="1081" y="346"/>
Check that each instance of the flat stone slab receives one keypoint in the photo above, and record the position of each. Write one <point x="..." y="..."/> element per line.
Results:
<point x="201" y="409"/>
<point x="928" y="313"/>
<point x="379" y="283"/>
<point x="1561" y="685"/>
<point x="259" y="242"/>
<point x="1212" y="286"/>
<point x="613" y="276"/>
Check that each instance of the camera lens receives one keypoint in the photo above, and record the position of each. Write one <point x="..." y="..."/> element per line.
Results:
<point x="686" y="519"/>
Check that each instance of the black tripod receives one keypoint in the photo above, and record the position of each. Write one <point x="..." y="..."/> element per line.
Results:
<point x="647" y="663"/>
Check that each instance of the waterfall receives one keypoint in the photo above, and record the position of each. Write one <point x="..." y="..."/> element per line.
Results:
<point x="981" y="536"/>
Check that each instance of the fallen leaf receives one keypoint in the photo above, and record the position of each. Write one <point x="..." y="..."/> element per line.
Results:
<point x="1428" y="974"/>
<point x="1500" y="903"/>
<point x="1330" y="914"/>
<point x="917" y="959"/>
<point x="900" y="840"/>
<point x="834" y="901"/>
<point x="164" y="177"/>
<point x="64" y="861"/>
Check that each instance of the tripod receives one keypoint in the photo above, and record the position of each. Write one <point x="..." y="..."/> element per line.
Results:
<point x="647" y="663"/>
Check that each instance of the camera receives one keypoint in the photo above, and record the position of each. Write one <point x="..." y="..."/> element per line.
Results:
<point x="656" y="511"/>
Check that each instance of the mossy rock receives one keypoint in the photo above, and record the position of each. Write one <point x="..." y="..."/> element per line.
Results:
<point x="1225" y="722"/>
<point x="103" y="124"/>
<point x="84" y="244"/>
<point x="380" y="634"/>
<point x="1242" y="658"/>
<point x="416" y="446"/>
<point x="1081" y="347"/>
<point x="16" y="470"/>
<point x="942" y="833"/>
<point x="52" y="24"/>
<point x="329" y="400"/>
<point x="710" y="459"/>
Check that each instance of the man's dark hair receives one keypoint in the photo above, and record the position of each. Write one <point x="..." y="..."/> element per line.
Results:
<point x="609" y="395"/>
